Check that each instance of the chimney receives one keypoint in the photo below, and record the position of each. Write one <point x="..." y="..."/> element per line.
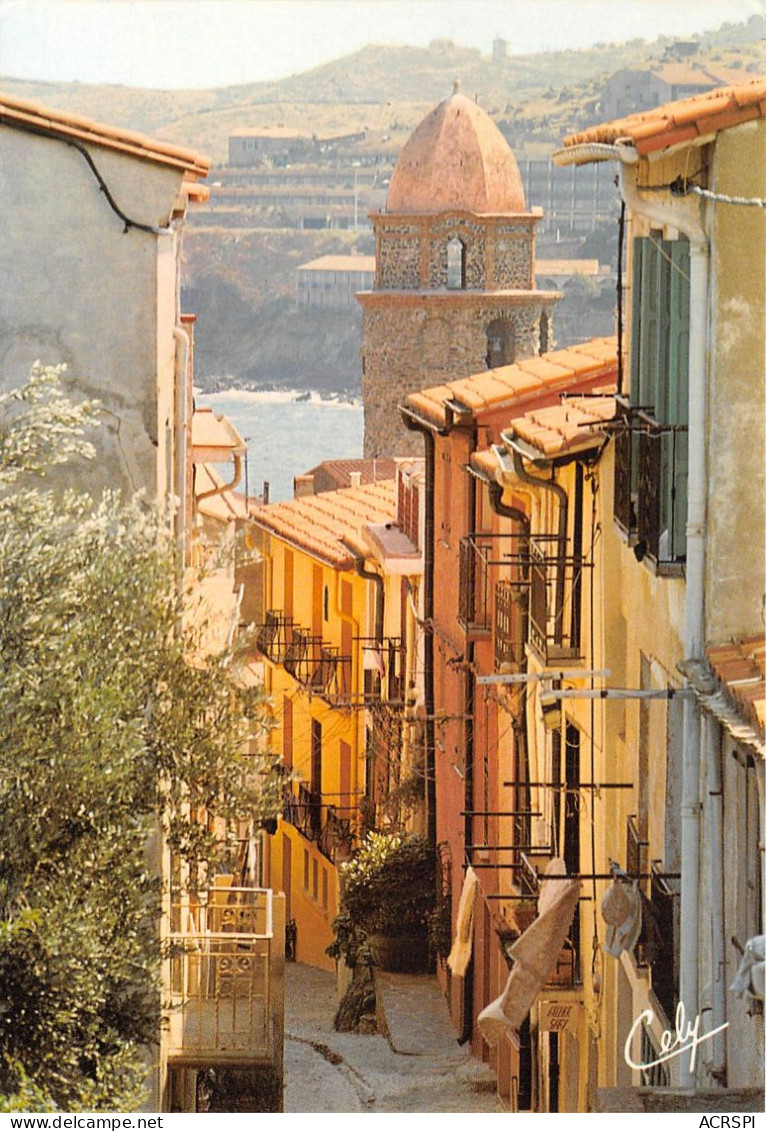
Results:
<point x="356" y="478"/>
<point x="303" y="485"/>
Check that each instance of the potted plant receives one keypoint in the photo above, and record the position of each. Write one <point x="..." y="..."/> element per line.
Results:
<point x="524" y="912"/>
<point x="389" y="892"/>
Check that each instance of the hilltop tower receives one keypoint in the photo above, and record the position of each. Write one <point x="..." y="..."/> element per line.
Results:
<point x="454" y="288"/>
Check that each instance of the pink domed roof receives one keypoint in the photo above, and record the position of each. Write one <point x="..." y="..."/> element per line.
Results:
<point x="456" y="159"/>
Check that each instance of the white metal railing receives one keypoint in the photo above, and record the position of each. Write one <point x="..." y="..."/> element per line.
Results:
<point x="219" y="975"/>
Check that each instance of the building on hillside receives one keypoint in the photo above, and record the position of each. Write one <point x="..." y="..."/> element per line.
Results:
<point x="574" y="202"/>
<point x="333" y="280"/>
<point x="332" y="637"/>
<point x="685" y="587"/>
<point x="454" y="286"/>
<point x="279" y="145"/>
<point x="332" y="474"/>
<point x="501" y="576"/>
<point x="635" y="90"/>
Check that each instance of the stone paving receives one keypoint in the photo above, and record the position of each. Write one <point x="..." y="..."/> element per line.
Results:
<point x="418" y="1067"/>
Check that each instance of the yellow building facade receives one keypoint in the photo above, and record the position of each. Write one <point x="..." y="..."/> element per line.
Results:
<point x="317" y="639"/>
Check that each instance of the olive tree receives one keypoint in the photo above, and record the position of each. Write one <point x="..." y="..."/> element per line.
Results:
<point x="114" y="724"/>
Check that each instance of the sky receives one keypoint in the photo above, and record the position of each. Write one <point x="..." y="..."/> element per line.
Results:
<point x="169" y="44"/>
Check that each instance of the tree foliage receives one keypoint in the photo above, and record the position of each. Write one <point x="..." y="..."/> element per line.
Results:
<point x="110" y="735"/>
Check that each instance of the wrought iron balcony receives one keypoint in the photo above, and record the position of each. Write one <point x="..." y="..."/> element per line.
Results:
<point x="303" y="810"/>
<point x="657" y="946"/>
<point x="625" y="499"/>
<point x="650" y="487"/>
<point x="320" y="823"/>
<point x="484" y="560"/>
<point x="274" y="636"/>
<point x="637" y="853"/>
<point x="296" y="650"/>
<point x="555" y="598"/>
<point x="383" y="662"/>
<point x="336" y="838"/>
<point x="219" y="977"/>
<point x="511" y="626"/>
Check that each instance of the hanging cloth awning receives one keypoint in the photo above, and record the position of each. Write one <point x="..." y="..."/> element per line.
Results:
<point x="460" y="955"/>
<point x="534" y="955"/>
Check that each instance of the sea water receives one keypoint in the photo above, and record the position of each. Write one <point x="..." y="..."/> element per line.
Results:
<point x="288" y="435"/>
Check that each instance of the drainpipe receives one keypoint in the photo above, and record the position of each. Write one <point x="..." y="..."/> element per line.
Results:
<point x="714" y="785"/>
<point x="415" y="424"/>
<point x="501" y="508"/>
<point x="183" y="348"/>
<point x="676" y="215"/>
<point x="380" y="596"/>
<point x="237" y="476"/>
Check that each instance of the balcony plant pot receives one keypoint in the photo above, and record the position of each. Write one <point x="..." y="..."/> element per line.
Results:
<point x="399" y="954"/>
<point x="388" y="893"/>
<point x="524" y="914"/>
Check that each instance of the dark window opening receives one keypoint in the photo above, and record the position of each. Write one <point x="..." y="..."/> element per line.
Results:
<point x="544" y="333"/>
<point x="501" y="343"/>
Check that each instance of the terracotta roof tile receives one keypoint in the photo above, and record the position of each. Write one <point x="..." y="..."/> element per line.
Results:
<point x="511" y="385"/>
<point x="682" y="121"/>
<point x="741" y="668"/>
<point x="572" y="425"/>
<point x="33" y="116"/>
<point x="317" y="523"/>
<point x="484" y="462"/>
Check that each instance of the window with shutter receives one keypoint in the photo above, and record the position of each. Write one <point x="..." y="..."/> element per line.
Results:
<point x="652" y="457"/>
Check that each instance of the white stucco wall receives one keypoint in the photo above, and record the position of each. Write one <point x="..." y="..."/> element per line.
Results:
<point x="80" y="290"/>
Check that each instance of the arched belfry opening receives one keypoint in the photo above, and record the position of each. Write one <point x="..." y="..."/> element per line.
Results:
<point x="455" y="264"/>
<point x="501" y="343"/>
<point x="545" y="333"/>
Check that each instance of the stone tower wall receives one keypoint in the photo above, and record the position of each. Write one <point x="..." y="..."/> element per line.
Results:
<point x="413" y="342"/>
<point x="412" y="252"/>
<point x="418" y="332"/>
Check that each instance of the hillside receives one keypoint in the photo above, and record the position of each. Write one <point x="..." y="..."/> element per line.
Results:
<point x="390" y="87"/>
<point x="241" y="286"/>
<point x="241" y="283"/>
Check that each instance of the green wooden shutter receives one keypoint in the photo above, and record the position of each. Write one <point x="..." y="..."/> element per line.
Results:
<point x="677" y="400"/>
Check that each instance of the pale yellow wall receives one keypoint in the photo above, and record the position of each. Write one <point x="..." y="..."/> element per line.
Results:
<point x="737" y="491"/>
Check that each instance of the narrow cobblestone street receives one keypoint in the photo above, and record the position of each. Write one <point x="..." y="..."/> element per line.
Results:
<point x="327" y="1071"/>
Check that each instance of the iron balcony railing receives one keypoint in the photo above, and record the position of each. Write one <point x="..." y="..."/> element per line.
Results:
<point x="383" y="662"/>
<point x="555" y="598"/>
<point x="308" y="659"/>
<point x="637" y="853"/>
<point x="657" y="946"/>
<point x="511" y="624"/>
<point x="219" y="983"/>
<point x="322" y="824"/>
<point x="625" y="491"/>
<point x="650" y="485"/>
<point x="274" y="637"/>
<point x="484" y="560"/>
